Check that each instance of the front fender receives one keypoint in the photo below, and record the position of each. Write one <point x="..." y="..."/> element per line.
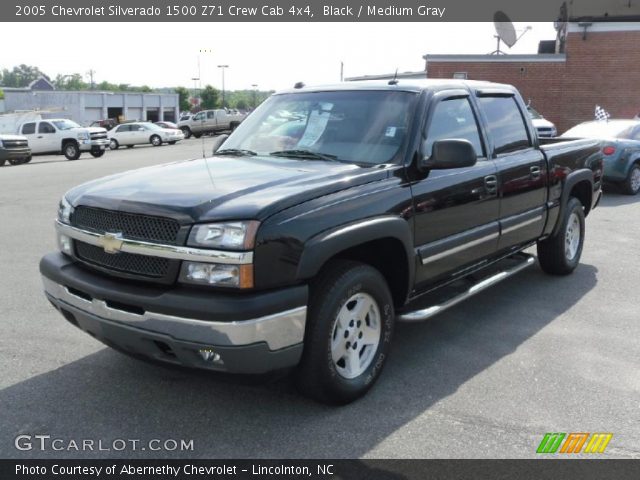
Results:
<point x="319" y="249"/>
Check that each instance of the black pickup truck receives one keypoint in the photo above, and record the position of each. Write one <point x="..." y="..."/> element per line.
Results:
<point x="330" y="213"/>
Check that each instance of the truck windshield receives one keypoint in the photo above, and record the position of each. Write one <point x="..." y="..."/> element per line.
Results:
<point x="368" y="127"/>
<point x="65" y="124"/>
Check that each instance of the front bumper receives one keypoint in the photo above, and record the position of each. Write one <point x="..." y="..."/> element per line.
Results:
<point x="87" y="145"/>
<point x="235" y="333"/>
<point x="14" y="153"/>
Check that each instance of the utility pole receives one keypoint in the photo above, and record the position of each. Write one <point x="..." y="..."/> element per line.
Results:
<point x="195" y="90"/>
<point x="223" y="68"/>
<point x="341" y="71"/>
<point x="91" y="72"/>
<point x="255" y="94"/>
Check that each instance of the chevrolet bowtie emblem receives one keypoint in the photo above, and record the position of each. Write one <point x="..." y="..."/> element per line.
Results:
<point x="111" y="242"/>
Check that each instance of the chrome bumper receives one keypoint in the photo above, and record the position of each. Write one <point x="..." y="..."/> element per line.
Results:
<point x="278" y="331"/>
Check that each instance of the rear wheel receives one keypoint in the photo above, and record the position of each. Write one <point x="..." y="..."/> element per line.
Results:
<point x="631" y="186"/>
<point x="71" y="150"/>
<point x="348" y="333"/>
<point x="2" y="162"/>
<point x="560" y="254"/>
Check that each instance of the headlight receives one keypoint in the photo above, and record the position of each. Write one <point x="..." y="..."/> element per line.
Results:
<point x="239" y="276"/>
<point x="83" y="135"/>
<point x="64" y="211"/>
<point x="227" y="235"/>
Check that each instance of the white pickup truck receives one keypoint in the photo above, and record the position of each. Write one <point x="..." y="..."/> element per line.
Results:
<point x="55" y="135"/>
<point x="210" y="121"/>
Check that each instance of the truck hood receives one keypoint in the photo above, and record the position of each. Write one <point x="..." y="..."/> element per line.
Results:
<point x="221" y="188"/>
<point x="12" y="137"/>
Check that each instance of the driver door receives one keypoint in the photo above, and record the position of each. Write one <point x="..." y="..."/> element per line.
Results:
<point x="456" y="210"/>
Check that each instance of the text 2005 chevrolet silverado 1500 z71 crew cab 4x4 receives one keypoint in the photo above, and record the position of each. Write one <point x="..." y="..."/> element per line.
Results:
<point x="326" y="215"/>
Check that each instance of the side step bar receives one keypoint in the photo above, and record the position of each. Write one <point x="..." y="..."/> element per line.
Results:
<point x="430" y="311"/>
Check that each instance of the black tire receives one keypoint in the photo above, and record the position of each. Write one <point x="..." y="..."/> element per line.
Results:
<point x="97" y="153"/>
<point x="71" y="150"/>
<point x="173" y="142"/>
<point x="631" y="186"/>
<point x="113" y="144"/>
<point x="233" y="126"/>
<point x="186" y="131"/>
<point x="2" y="162"/>
<point x="155" y="140"/>
<point x="17" y="161"/>
<point x="318" y="374"/>
<point x="555" y="255"/>
<point x="197" y="135"/>
<point x="130" y="146"/>
<point x="28" y="159"/>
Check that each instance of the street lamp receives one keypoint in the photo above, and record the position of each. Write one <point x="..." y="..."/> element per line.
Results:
<point x="195" y="87"/>
<point x="223" y="67"/>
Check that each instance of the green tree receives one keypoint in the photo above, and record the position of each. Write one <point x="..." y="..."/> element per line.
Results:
<point x="70" y="82"/>
<point x="1" y="94"/>
<point x="21" y="76"/>
<point x="209" y="97"/>
<point x="183" y="99"/>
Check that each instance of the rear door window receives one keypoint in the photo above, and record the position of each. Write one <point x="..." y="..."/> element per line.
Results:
<point x="505" y="123"/>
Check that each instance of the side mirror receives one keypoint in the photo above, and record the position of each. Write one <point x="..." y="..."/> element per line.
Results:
<point x="218" y="141"/>
<point x="451" y="153"/>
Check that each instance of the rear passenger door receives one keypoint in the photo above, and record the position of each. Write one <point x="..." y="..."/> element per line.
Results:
<point x="456" y="210"/>
<point x="522" y="169"/>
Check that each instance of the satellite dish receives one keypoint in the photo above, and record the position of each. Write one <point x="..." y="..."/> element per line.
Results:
<point x="504" y="28"/>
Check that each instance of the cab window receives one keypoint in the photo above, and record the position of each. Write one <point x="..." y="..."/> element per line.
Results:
<point x="29" y="128"/>
<point x="505" y="123"/>
<point x="454" y="118"/>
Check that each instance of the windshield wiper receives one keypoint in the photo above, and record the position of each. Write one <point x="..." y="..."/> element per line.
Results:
<point x="236" y="151"/>
<point x="308" y="154"/>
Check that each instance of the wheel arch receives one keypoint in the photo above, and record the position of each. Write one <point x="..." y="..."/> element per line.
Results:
<point x="385" y="243"/>
<point x="578" y="184"/>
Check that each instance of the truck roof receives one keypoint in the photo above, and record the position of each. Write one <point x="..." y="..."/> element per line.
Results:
<point x="405" y="84"/>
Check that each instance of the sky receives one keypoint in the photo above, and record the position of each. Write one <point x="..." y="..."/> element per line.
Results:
<point x="271" y="55"/>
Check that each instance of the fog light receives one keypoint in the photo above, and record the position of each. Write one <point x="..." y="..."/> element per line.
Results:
<point x="217" y="274"/>
<point x="64" y="244"/>
<point x="210" y="356"/>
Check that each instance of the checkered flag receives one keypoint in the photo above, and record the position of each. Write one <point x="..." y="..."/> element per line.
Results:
<point x="601" y="114"/>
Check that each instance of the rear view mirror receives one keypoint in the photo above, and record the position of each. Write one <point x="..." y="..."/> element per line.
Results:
<point x="218" y="141"/>
<point x="451" y="153"/>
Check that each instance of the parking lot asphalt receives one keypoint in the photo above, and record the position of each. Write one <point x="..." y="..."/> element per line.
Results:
<point x="486" y="379"/>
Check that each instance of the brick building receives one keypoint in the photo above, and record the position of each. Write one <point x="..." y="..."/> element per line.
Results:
<point x="599" y="64"/>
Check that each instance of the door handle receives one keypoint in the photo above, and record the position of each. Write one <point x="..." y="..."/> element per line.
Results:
<point x="491" y="184"/>
<point x="535" y="172"/>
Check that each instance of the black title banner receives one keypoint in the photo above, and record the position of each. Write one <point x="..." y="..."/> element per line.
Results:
<point x="311" y="10"/>
<point x="319" y="469"/>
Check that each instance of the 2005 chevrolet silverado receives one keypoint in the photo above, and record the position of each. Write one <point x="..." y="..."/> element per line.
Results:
<point x="327" y="215"/>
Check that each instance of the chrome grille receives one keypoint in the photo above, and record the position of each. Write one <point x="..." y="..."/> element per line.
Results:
<point x="98" y="135"/>
<point x="130" y="225"/>
<point x="123" y="262"/>
<point x="15" y="143"/>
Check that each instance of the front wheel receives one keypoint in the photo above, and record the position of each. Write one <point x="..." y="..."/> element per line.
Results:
<point x="187" y="132"/>
<point x="113" y="144"/>
<point x="97" y="153"/>
<point x="2" y="162"/>
<point x="71" y="150"/>
<point x="155" y="140"/>
<point x="560" y="254"/>
<point x="348" y="333"/>
<point x="631" y="186"/>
